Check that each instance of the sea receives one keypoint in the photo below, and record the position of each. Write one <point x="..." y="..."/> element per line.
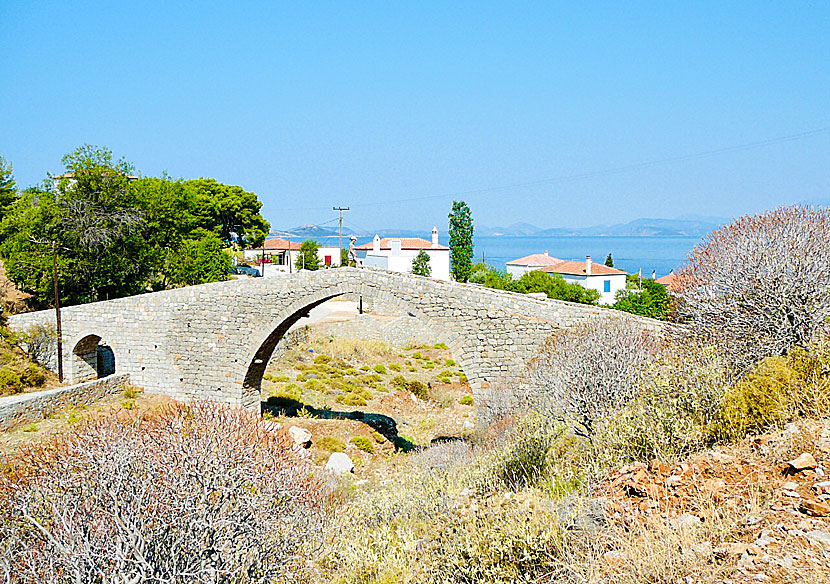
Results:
<point x="657" y="255"/>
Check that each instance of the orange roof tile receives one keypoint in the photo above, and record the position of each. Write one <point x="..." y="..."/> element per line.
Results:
<point x="669" y="281"/>
<point x="406" y="243"/>
<point x="578" y="269"/>
<point x="536" y="259"/>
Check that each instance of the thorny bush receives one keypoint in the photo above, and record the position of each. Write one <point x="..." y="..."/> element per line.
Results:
<point x="199" y="493"/>
<point x="760" y="285"/>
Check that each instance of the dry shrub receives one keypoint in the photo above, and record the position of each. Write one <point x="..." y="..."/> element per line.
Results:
<point x="354" y="349"/>
<point x="583" y="372"/>
<point x="760" y="285"/>
<point x="777" y="391"/>
<point x="40" y="341"/>
<point x="680" y="396"/>
<point x="199" y="493"/>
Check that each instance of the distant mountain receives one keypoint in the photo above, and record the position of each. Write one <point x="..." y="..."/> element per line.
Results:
<point x="516" y="229"/>
<point x="654" y="228"/>
<point x="686" y="226"/>
<point x="309" y="231"/>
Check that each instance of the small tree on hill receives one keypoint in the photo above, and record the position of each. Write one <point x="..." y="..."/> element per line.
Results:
<point x="609" y="261"/>
<point x="653" y="300"/>
<point x="8" y="188"/>
<point x="760" y="285"/>
<point x="420" y="265"/>
<point x="308" y="259"/>
<point x="461" y="241"/>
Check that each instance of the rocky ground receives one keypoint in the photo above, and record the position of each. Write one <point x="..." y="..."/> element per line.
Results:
<point x="760" y="506"/>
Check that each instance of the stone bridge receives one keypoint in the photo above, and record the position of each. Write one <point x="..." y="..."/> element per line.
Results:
<point x="214" y="340"/>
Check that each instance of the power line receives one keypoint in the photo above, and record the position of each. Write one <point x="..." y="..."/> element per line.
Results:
<point x="597" y="173"/>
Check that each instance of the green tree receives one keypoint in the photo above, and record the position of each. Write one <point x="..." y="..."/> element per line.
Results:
<point x="89" y="218"/>
<point x="8" y="188"/>
<point x="308" y="259"/>
<point x="200" y="261"/>
<point x="653" y="300"/>
<point x="609" y="261"/>
<point x="420" y="265"/>
<point x="555" y="287"/>
<point x="461" y="241"/>
<point x="227" y="211"/>
<point x="344" y="257"/>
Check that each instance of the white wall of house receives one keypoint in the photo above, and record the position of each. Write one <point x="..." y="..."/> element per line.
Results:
<point x="400" y="260"/>
<point x="606" y="285"/>
<point x="517" y="271"/>
<point x="283" y="260"/>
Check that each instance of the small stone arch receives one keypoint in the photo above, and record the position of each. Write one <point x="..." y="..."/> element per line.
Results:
<point x="91" y="359"/>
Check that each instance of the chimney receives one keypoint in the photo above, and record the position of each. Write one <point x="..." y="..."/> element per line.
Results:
<point x="434" y="237"/>
<point x="588" y="265"/>
<point x="376" y="244"/>
<point x="546" y="252"/>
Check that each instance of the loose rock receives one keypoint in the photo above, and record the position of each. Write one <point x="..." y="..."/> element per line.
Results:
<point x="805" y="461"/>
<point x="301" y="436"/>
<point x="339" y="463"/>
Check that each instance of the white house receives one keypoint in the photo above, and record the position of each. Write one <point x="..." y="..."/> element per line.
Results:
<point x="607" y="281"/>
<point x="395" y="254"/>
<point x="518" y="268"/>
<point x="281" y="254"/>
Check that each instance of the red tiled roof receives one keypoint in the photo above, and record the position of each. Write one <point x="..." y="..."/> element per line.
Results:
<point x="536" y="259"/>
<point x="578" y="269"/>
<point x="669" y="281"/>
<point x="279" y="244"/>
<point x="406" y="243"/>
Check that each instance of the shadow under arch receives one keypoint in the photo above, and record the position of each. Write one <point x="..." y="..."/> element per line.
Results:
<point x="266" y="340"/>
<point x="257" y="365"/>
<point x="91" y="359"/>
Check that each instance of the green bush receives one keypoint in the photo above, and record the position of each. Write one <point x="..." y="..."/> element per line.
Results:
<point x="462" y="378"/>
<point x="380" y="369"/>
<point x="321" y="359"/>
<point x="331" y="444"/>
<point x="363" y="443"/>
<point x="449" y="363"/>
<point x="417" y="355"/>
<point x="440" y="346"/>
<point x="33" y="376"/>
<point x="365" y="368"/>
<point x="774" y="393"/>
<point x="395" y="367"/>
<point x="377" y="436"/>
<point x="10" y="381"/>
<point x="466" y="400"/>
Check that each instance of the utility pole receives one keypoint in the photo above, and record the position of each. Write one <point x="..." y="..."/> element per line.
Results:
<point x="57" y="309"/>
<point x="340" y="242"/>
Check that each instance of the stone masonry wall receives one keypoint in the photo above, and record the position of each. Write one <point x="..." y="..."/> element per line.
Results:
<point x="27" y="408"/>
<point x="214" y="340"/>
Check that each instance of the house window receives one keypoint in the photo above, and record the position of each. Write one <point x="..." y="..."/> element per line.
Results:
<point x="328" y="260"/>
<point x="606" y="286"/>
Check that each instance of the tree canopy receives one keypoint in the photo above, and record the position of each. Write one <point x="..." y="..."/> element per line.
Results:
<point x="8" y="188"/>
<point x="116" y="235"/>
<point x="535" y="281"/>
<point x="461" y="241"/>
<point x="420" y="264"/>
<point x="308" y="259"/>
<point x="652" y="300"/>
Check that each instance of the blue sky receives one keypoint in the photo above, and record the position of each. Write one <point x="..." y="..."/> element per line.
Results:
<point x="395" y="109"/>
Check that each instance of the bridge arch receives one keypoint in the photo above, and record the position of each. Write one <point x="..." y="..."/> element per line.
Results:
<point x="265" y="339"/>
<point x="90" y="359"/>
